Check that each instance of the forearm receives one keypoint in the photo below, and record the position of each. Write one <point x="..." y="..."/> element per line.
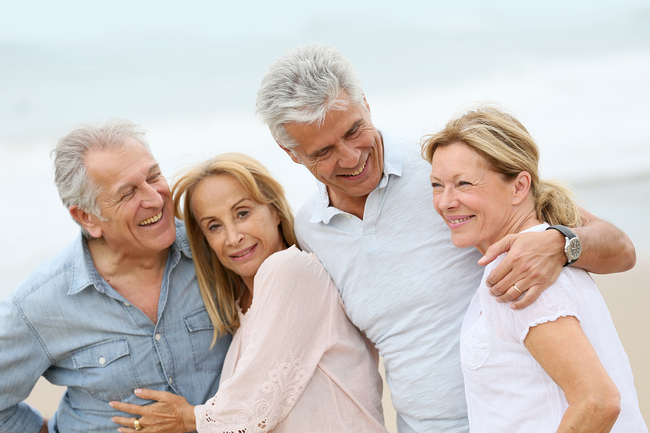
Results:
<point x="44" y="428"/>
<point x="605" y="248"/>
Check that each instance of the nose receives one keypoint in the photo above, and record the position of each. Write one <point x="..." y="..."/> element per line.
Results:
<point x="445" y="199"/>
<point x="233" y="236"/>
<point x="152" y="197"/>
<point x="348" y="155"/>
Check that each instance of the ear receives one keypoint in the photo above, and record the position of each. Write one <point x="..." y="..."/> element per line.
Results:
<point x="521" y="187"/>
<point x="293" y="157"/>
<point x="87" y="220"/>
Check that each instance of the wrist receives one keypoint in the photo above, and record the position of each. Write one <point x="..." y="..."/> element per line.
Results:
<point x="189" y="419"/>
<point x="572" y="247"/>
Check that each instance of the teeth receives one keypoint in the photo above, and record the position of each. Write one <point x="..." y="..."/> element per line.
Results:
<point x="151" y="220"/>
<point x="460" y="220"/>
<point x="357" y="172"/>
<point x="243" y="254"/>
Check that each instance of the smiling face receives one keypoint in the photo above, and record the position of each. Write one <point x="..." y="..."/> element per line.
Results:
<point x="134" y="198"/>
<point x="345" y="152"/>
<point x="241" y="231"/>
<point x="476" y="203"/>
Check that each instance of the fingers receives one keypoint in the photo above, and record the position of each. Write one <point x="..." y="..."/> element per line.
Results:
<point x="496" y="249"/>
<point x="128" y="423"/>
<point x="133" y="409"/>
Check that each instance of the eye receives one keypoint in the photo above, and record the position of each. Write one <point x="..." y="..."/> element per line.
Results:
<point x="154" y="178"/>
<point x="242" y="213"/>
<point x="128" y="195"/>
<point x="323" y="152"/>
<point x="213" y="226"/>
<point x="437" y="187"/>
<point x="464" y="183"/>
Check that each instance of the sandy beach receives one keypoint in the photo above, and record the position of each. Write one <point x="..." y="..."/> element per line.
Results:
<point x="627" y="296"/>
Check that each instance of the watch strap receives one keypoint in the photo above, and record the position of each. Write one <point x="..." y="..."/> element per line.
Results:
<point x="568" y="235"/>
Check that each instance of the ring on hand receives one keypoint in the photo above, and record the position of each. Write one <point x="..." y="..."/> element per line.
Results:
<point x="136" y="424"/>
<point x="517" y="289"/>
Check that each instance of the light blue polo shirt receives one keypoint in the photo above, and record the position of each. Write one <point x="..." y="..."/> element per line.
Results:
<point x="403" y="283"/>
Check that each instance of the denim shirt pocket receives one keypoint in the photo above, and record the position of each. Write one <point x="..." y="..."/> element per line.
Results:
<point x="107" y="369"/>
<point x="200" y="330"/>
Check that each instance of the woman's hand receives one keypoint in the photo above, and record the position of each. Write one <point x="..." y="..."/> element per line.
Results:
<point x="170" y="414"/>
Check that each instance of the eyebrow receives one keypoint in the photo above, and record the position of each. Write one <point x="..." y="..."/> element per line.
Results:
<point x="231" y="208"/>
<point x="129" y="185"/>
<point x="349" y="131"/>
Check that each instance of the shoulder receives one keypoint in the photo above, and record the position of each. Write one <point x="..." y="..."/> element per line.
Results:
<point x="297" y="272"/>
<point x="561" y="299"/>
<point x="292" y="263"/>
<point x="49" y="277"/>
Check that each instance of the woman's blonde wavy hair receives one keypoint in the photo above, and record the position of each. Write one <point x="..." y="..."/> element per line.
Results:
<point x="220" y="286"/>
<point x="508" y="149"/>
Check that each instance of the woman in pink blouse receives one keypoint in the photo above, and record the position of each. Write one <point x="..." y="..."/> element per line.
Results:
<point x="296" y="363"/>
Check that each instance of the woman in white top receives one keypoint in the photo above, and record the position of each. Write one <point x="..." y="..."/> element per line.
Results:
<point x="557" y="365"/>
<point x="296" y="363"/>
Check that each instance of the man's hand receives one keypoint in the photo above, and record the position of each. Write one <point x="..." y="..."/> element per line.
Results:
<point x="533" y="263"/>
<point x="535" y="259"/>
<point x="170" y="414"/>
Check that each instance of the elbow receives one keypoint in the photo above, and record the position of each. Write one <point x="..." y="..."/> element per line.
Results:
<point x="605" y="406"/>
<point x="631" y="256"/>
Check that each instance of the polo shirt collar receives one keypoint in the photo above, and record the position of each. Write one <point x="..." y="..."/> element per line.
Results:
<point x="393" y="165"/>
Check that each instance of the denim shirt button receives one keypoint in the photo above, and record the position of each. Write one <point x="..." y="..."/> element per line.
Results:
<point x="102" y="360"/>
<point x="170" y="381"/>
<point x="158" y="337"/>
<point x="127" y="304"/>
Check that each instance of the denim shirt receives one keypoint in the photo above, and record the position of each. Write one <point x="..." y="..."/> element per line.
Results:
<point x="67" y="324"/>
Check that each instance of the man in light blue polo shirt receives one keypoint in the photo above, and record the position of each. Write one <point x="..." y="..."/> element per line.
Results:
<point x="116" y="310"/>
<point x="373" y="226"/>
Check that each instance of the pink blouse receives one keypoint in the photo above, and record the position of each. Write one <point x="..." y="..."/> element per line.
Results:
<point x="296" y="363"/>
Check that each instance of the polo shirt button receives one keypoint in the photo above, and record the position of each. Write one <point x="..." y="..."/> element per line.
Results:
<point x="102" y="360"/>
<point x="158" y="337"/>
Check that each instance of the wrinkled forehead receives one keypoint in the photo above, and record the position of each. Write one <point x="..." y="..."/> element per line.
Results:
<point x="120" y="165"/>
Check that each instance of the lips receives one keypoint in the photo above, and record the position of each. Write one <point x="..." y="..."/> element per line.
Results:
<point x="242" y="253"/>
<point x="460" y="220"/>
<point x="151" y="220"/>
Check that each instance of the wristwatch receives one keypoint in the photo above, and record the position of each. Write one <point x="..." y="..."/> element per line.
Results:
<point x="572" y="247"/>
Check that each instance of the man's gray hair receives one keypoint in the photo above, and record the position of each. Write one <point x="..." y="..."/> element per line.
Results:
<point x="70" y="175"/>
<point x="303" y="86"/>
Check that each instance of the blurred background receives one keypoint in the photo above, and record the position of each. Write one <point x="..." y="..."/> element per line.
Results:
<point x="574" y="72"/>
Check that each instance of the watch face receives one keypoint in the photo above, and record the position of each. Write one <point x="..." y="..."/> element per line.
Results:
<point x="573" y="250"/>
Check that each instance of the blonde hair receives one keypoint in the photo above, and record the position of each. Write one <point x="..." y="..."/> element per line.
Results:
<point x="220" y="286"/>
<point x="508" y="149"/>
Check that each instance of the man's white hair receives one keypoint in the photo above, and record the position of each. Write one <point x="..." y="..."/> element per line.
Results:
<point x="303" y="86"/>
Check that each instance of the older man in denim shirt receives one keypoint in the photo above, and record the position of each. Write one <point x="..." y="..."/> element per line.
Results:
<point x="119" y="308"/>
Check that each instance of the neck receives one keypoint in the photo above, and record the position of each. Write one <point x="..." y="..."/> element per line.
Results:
<point x="109" y="261"/>
<point x="352" y="205"/>
<point x="520" y="220"/>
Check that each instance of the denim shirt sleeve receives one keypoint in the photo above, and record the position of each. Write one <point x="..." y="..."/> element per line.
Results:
<point x="23" y="361"/>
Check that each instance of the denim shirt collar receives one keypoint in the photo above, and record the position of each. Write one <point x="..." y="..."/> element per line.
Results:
<point x="393" y="165"/>
<point x="84" y="273"/>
